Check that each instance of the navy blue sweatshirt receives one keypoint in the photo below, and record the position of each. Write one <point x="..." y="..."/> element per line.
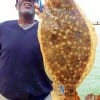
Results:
<point x="21" y="64"/>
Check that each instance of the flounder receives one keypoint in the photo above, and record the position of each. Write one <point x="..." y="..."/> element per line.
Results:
<point x="68" y="43"/>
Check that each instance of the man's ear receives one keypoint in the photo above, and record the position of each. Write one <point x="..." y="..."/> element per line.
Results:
<point x="16" y="6"/>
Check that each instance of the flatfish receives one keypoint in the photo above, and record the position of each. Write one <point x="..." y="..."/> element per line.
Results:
<point x="68" y="43"/>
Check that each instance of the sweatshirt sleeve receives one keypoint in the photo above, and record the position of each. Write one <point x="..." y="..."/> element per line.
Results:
<point x="0" y="37"/>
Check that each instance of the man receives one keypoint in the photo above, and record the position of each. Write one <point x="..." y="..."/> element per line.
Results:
<point x="22" y="75"/>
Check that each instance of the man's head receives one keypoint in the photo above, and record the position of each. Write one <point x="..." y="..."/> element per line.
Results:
<point x="25" y="7"/>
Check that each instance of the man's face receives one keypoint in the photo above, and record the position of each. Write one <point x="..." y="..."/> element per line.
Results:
<point x="25" y="6"/>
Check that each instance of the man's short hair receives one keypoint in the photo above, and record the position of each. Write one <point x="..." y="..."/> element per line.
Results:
<point x="16" y="1"/>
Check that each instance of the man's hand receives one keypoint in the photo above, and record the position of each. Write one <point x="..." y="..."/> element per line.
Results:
<point x="37" y="8"/>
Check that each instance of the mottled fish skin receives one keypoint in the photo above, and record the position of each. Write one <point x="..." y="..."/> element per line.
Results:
<point x="68" y="42"/>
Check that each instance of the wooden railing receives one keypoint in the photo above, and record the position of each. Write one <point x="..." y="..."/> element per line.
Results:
<point x="96" y="23"/>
